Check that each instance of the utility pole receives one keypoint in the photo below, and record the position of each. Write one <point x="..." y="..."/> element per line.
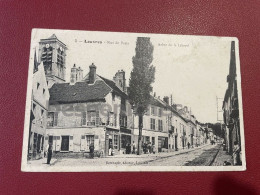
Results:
<point x="219" y="111"/>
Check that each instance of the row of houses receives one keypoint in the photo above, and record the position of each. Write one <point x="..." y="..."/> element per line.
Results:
<point x="95" y="110"/>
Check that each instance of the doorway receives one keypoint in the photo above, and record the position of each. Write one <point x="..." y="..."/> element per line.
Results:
<point x="65" y="143"/>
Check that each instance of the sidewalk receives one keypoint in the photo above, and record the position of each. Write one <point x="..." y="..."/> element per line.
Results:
<point x="158" y="155"/>
<point x="42" y="162"/>
<point x="221" y="157"/>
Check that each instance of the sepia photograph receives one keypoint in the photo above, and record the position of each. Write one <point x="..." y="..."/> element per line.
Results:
<point x="110" y="101"/>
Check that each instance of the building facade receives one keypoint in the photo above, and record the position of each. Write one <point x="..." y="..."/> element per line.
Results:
<point x="230" y="106"/>
<point x="91" y="111"/>
<point x="38" y="114"/>
<point x="155" y="128"/>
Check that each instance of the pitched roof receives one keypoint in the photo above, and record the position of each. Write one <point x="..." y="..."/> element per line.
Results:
<point x="53" y="36"/>
<point x="79" y="92"/>
<point x="112" y="84"/>
<point x="156" y="102"/>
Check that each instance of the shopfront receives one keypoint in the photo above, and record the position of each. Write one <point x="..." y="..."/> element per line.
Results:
<point x="162" y="144"/>
<point x="112" y="141"/>
<point x="126" y="140"/>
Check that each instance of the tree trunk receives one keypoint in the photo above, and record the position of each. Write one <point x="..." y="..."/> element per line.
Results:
<point x="140" y="126"/>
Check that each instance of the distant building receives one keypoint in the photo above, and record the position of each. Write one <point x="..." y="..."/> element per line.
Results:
<point x="154" y="129"/>
<point x="191" y="126"/>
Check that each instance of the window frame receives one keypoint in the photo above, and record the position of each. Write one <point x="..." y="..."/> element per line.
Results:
<point x="152" y="123"/>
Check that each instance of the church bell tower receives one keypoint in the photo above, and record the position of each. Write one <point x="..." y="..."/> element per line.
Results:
<point x="52" y="52"/>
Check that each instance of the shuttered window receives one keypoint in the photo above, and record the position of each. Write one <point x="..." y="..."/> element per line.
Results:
<point x="84" y="118"/>
<point x="152" y="124"/>
<point x="55" y="121"/>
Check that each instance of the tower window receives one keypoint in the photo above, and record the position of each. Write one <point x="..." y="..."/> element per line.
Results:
<point x="43" y="91"/>
<point x="38" y="84"/>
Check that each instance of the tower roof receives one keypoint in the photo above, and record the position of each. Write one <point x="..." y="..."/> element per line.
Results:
<point x="92" y="66"/>
<point x="53" y="36"/>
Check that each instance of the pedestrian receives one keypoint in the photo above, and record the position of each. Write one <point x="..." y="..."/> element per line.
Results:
<point x="236" y="153"/>
<point x="129" y="148"/>
<point x="144" y="147"/>
<point x="91" y="150"/>
<point x="188" y="145"/>
<point x="153" y="149"/>
<point x="134" y="147"/>
<point x="149" y="147"/>
<point x="49" y="154"/>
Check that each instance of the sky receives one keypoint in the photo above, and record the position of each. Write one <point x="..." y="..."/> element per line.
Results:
<point x="193" y="69"/>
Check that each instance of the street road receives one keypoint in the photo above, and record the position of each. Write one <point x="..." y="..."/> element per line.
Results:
<point x="201" y="157"/>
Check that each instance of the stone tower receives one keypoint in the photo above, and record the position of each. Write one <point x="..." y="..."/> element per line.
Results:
<point x="120" y="80"/>
<point x="52" y="52"/>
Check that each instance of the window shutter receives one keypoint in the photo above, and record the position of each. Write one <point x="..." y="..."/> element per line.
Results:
<point x="84" y="118"/>
<point x="89" y="116"/>
<point x="115" y="120"/>
<point x="55" y="121"/>
<point x="97" y="118"/>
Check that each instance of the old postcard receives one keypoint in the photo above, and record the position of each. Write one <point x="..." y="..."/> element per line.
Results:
<point x="108" y="101"/>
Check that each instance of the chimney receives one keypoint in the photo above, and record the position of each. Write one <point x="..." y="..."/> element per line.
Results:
<point x="166" y="99"/>
<point x="73" y="75"/>
<point x="92" y="73"/>
<point x="80" y="74"/>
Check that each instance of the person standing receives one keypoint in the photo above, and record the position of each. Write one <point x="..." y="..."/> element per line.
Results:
<point x="134" y="147"/>
<point x="153" y="149"/>
<point x="149" y="148"/>
<point x="49" y="154"/>
<point x="236" y="153"/>
<point x="91" y="150"/>
<point x="188" y="145"/>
